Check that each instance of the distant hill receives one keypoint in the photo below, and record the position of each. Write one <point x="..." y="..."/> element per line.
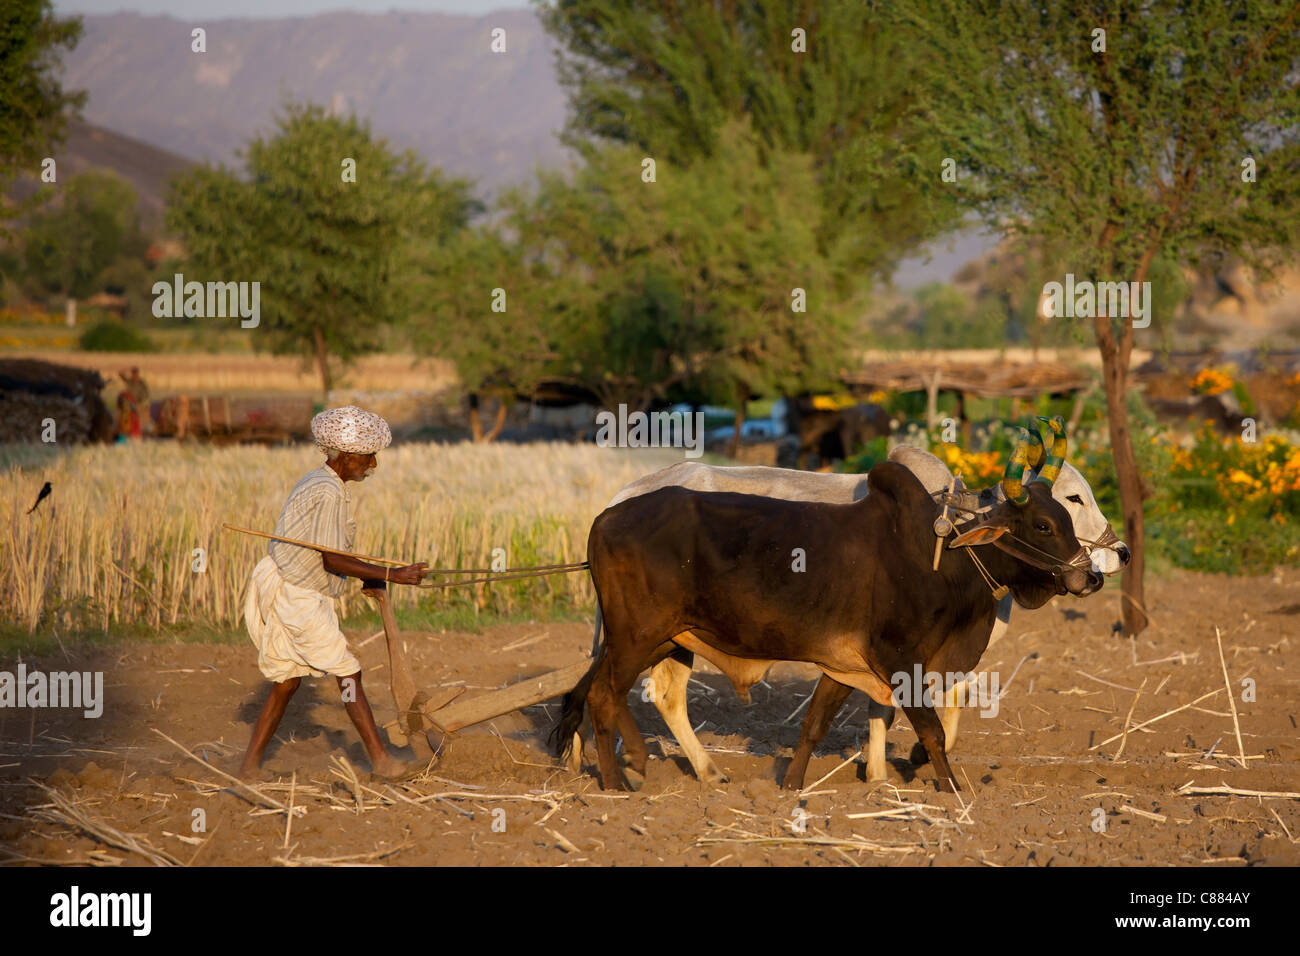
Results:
<point x="145" y="167"/>
<point x="424" y="81"/>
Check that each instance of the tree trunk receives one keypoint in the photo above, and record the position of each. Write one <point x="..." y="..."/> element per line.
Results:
<point x="1115" y="362"/>
<point x="322" y="360"/>
<point x="475" y="422"/>
<point x="1130" y="493"/>
<point x="498" y="424"/>
<point x="742" y="399"/>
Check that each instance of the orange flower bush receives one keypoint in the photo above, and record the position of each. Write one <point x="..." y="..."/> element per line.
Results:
<point x="1211" y="381"/>
<point x="977" y="468"/>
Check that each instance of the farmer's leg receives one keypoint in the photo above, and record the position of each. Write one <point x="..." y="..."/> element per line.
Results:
<point x="358" y="708"/>
<point x="267" y="721"/>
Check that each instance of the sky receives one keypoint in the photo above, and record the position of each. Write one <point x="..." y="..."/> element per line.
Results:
<point x="218" y="9"/>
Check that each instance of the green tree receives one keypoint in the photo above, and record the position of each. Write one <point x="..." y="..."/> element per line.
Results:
<point x="685" y="287"/>
<point x="1120" y="133"/>
<point x="472" y="309"/>
<point x="335" y="258"/>
<point x="666" y="76"/>
<point x="34" y="107"/>
<point x="89" y="226"/>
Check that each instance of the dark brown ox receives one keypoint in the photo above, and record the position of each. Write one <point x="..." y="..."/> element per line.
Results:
<point x="717" y="575"/>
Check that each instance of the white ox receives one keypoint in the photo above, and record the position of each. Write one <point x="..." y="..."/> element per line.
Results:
<point x="670" y="676"/>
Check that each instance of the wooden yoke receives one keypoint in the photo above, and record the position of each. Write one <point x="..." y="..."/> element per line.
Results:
<point x="412" y="726"/>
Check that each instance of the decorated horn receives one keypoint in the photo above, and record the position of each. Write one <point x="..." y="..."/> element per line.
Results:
<point x="1013" y="481"/>
<point x="1036" y="452"/>
<point x="1056" y="457"/>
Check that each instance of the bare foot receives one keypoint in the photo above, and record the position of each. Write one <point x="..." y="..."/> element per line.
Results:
<point x="388" y="767"/>
<point x="255" y="775"/>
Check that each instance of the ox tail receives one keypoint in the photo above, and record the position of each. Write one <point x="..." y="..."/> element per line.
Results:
<point x="575" y="701"/>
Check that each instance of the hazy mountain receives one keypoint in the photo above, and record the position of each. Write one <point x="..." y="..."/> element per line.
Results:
<point x="424" y="81"/>
<point x="145" y="167"/>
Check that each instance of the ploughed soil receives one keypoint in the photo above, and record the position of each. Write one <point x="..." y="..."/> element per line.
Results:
<point x="1036" y="789"/>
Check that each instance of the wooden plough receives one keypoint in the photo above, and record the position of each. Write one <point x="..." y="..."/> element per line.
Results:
<point x="425" y="721"/>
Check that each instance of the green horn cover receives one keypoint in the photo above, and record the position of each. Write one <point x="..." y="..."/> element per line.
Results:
<point x="1056" y="458"/>
<point x="1013" y="480"/>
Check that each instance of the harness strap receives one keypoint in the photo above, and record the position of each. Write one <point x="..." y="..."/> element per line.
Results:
<point x="999" y="590"/>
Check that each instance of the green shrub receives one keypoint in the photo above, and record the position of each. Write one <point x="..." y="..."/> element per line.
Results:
<point x="111" y="336"/>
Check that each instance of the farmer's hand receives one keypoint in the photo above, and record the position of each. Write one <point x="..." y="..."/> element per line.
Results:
<point x="411" y="574"/>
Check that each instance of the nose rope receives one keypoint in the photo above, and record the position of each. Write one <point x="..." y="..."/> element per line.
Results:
<point x="954" y="501"/>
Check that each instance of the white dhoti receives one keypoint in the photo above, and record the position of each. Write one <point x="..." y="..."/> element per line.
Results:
<point x="295" y="629"/>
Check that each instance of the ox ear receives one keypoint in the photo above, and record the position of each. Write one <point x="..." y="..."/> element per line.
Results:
<point x="984" y="534"/>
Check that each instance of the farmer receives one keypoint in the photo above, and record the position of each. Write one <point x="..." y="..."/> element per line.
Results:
<point x="289" y="608"/>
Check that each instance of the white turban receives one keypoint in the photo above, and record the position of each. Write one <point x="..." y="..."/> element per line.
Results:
<point x="351" y="429"/>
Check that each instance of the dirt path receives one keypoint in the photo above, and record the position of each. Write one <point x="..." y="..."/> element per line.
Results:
<point x="1034" y="795"/>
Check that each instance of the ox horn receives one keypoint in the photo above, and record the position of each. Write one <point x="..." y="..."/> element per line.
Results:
<point x="1036" y="452"/>
<point x="1013" y="481"/>
<point x="1056" y="457"/>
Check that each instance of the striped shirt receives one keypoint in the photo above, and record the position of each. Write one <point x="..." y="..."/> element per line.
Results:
<point x="317" y="511"/>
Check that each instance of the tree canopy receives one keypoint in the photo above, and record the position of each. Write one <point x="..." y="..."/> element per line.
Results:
<point x="1116" y="135"/>
<point x="334" y="252"/>
<point x="34" y="107"/>
<point x="832" y="79"/>
<point x="705" y="284"/>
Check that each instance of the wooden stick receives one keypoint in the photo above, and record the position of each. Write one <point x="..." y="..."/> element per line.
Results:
<point x="1132" y="706"/>
<point x="1189" y="790"/>
<point x="267" y="801"/>
<point x="845" y="763"/>
<point x="1232" y="702"/>
<point x="1168" y="713"/>
<point x="1131" y="690"/>
<point x="288" y="817"/>
<point x="318" y="547"/>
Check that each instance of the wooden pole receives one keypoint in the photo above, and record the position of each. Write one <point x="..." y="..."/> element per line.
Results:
<point x="317" y="547"/>
<point x="494" y="703"/>
<point x="410" y="720"/>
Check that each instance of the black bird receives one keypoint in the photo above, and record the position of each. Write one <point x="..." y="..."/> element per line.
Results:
<point x="45" y="493"/>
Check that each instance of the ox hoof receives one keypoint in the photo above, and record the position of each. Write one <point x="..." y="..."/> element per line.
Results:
<point x="634" y="780"/>
<point x="575" y="755"/>
<point x="716" y="777"/>
<point x="919" y="756"/>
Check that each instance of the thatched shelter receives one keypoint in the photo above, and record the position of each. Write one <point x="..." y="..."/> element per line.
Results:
<point x="32" y="391"/>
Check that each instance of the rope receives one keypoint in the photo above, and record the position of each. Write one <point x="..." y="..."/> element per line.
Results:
<point x="509" y="572"/>
<point x="534" y="573"/>
<point x="999" y="590"/>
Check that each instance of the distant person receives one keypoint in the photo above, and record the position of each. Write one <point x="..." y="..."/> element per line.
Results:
<point x="289" y="608"/>
<point x="137" y="393"/>
<point x="128" y="417"/>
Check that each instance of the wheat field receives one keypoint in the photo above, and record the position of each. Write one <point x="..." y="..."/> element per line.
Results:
<point x="116" y="540"/>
